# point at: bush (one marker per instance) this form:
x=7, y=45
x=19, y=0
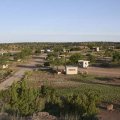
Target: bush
x=22, y=100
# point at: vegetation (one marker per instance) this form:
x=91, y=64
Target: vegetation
x=116, y=57
x=23, y=100
x=4, y=58
x=23, y=54
x=54, y=60
x=4, y=74
x=79, y=102
x=75, y=57
x=105, y=87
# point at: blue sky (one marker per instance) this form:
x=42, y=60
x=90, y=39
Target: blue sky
x=59, y=20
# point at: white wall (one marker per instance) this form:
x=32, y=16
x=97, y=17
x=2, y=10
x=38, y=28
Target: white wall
x=71, y=70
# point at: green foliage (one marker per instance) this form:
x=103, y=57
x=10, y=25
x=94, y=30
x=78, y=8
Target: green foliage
x=75, y=57
x=23, y=54
x=84, y=105
x=46, y=64
x=4, y=73
x=91, y=58
x=54, y=60
x=75, y=49
x=116, y=56
x=58, y=48
x=4, y=58
x=108, y=53
x=22, y=100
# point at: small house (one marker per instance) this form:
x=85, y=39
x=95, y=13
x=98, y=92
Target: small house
x=83, y=63
x=49, y=50
x=71, y=70
x=97, y=49
x=19, y=60
x=5, y=66
x=42, y=51
x=66, y=50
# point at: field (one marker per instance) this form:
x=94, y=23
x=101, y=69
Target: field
x=107, y=88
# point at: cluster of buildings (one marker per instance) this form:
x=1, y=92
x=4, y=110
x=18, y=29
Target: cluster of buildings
x=71, y=70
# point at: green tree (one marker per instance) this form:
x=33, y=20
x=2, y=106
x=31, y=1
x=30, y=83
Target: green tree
x=116, y=56
x=75, y=57
x=25, y=100
x=91, y=58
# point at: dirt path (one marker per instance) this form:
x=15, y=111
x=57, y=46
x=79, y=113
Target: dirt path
x=110, y=72
x=109, y=115
x=22, y=68
x=16, y=77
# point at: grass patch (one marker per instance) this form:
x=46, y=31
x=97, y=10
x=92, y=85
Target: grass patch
x=79, y=84
x=107, y=93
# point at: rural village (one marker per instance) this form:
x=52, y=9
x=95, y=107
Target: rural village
x=68, y=68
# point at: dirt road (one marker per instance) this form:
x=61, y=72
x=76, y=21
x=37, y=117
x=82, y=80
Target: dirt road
x=110, y=72
x=22, y=68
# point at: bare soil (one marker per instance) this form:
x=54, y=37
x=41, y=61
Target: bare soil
x=110, y=72
x=21, y=69
x=109, y=115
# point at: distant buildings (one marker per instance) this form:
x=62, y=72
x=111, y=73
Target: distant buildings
x=48, y=50
x=2, y=52
x=111, y=47
x=42, y=51
x=66, y=50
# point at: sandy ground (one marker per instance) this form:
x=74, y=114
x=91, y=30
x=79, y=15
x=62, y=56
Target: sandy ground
x=109, y=115
x=22, y=68
x=110, y=72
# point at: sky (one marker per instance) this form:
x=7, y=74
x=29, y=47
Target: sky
x=59, y=20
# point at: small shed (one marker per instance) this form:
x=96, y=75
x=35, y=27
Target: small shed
x=97, y=49
x=66, y=50
x=71, y=70
x=83, y=63
x=49, y=50
x=42, y=51
x=5, y=66
x=19, y=60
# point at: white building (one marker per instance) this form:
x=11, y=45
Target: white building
x=70, y=70
x=97, y=49
x=5, y=66
x=42, y=51
x=83, y=63
x=49, y=50
x=19, y=60
x=66, y=50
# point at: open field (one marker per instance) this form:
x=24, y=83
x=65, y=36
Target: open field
x=107, y=87
x=67, y=84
